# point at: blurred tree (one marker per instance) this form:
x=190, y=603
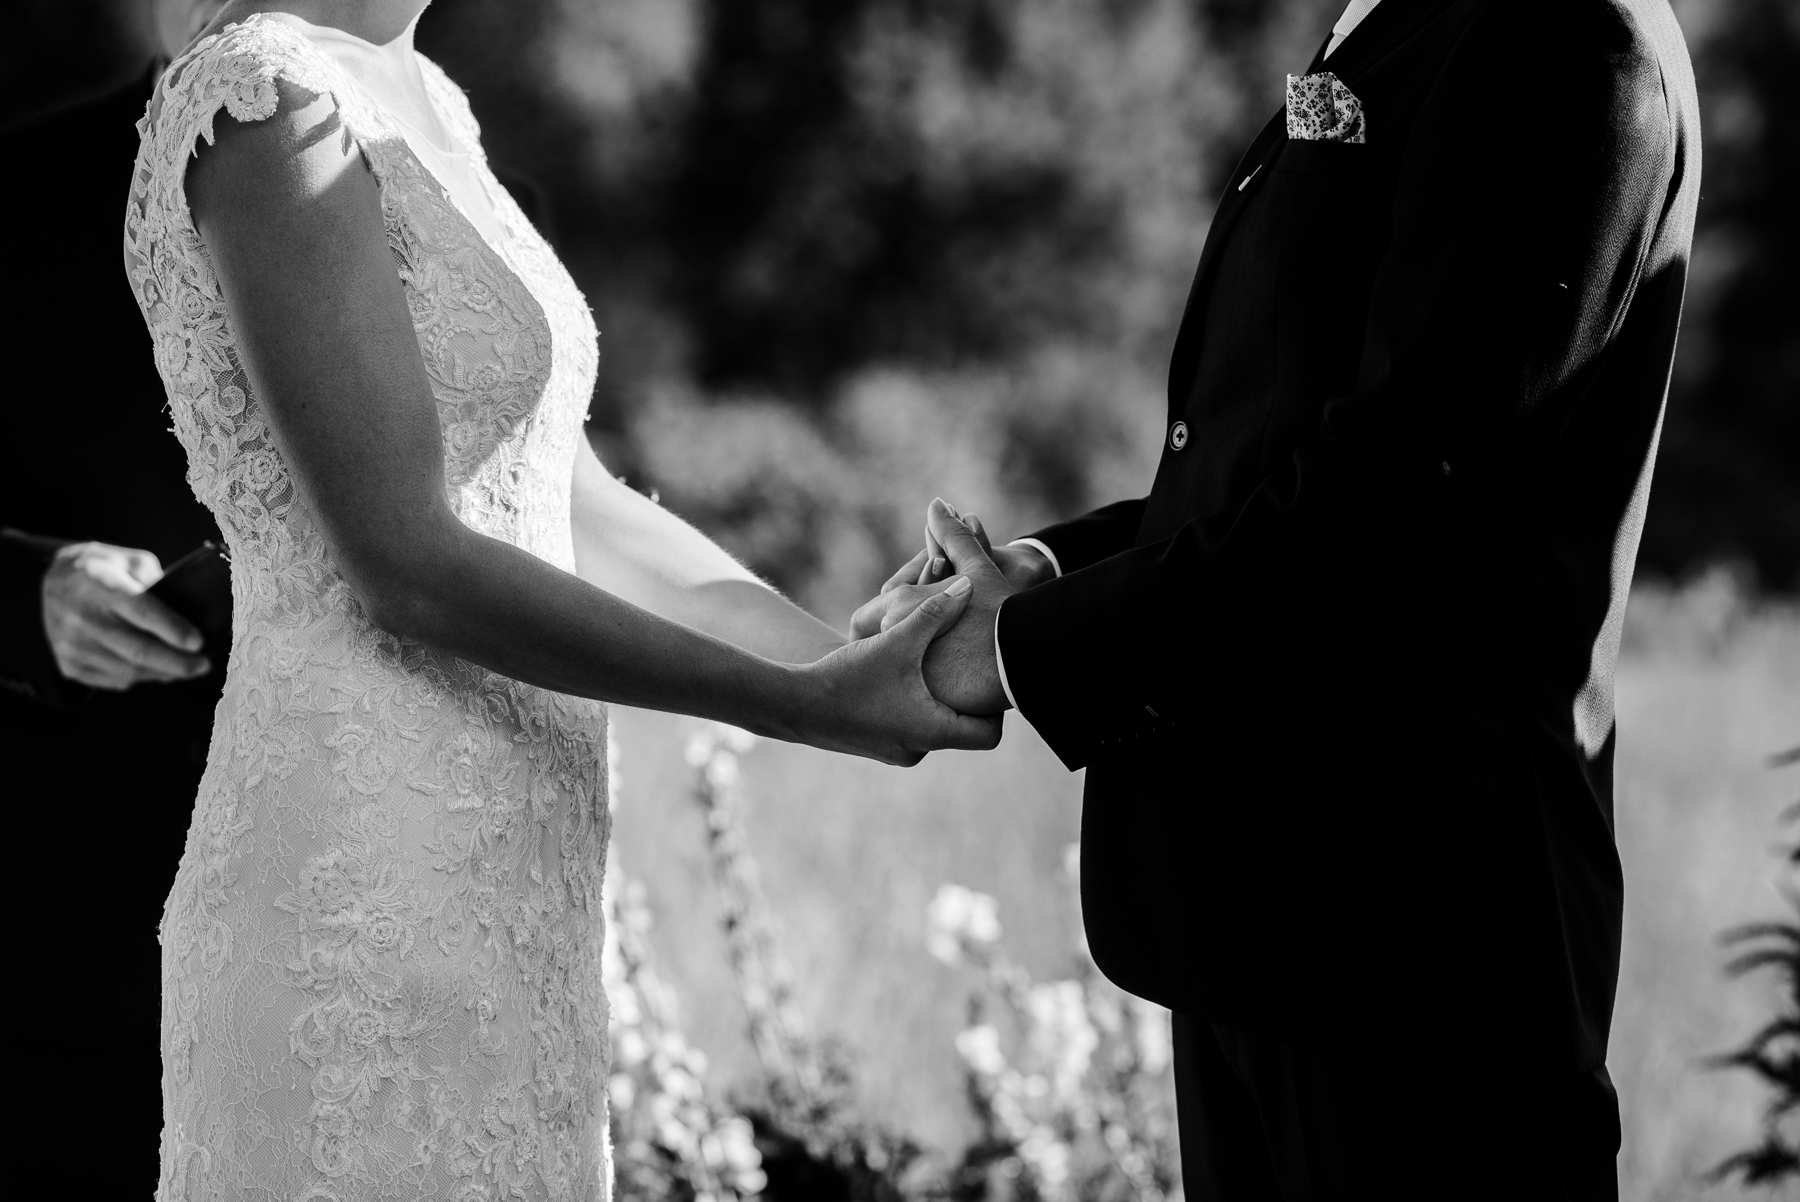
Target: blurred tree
x=57, y=52
x=776, y=198
x=1728, y=476
x=808, y=235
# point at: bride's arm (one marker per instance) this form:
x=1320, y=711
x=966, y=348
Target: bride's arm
x=292, y=221
x=635, y=549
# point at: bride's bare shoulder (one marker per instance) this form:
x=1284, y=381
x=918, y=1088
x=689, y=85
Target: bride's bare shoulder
x=250, y=107
x=296, y=151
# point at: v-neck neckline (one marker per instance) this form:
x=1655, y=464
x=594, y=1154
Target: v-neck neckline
x=498, y=246
x=322, y=36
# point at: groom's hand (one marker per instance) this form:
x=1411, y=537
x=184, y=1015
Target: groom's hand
x=960, y=668
x=1023, y=565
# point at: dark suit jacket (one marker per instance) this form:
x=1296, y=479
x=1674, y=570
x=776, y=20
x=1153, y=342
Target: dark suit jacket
x=101, y=785
x=1343, y=680
x=92, y=456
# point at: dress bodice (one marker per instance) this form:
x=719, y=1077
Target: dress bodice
x=381, y=953
x=506, y=336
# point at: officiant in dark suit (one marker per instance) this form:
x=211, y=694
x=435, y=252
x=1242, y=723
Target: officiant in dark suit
x=106, y=698
x=106, y=695
x=1342, y=682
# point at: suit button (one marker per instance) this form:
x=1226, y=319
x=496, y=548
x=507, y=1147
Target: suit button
x=1178, y=436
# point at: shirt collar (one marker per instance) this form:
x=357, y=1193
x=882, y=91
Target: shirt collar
x=1353, y=16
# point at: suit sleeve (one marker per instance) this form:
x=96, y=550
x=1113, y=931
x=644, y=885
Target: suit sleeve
x=1522, y=218
x=1092, y=537
x=27, y=666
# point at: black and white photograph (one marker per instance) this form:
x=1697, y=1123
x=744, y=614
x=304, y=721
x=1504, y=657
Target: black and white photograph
x=903, y=600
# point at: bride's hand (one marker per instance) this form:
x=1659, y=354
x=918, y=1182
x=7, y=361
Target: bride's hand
x=869, y=698
x=929, y=570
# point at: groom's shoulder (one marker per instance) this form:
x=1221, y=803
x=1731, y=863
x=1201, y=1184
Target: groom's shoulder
x=1618, y=37
x=1618, y=64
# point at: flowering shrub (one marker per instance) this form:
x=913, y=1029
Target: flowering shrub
x=804, y=1110
x=1773, y=1053
x=1067, y=1078
x=1081, y=1109
x=670, y=1139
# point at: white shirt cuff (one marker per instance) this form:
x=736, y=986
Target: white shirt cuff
x=1000, y=660
x=1041, y=549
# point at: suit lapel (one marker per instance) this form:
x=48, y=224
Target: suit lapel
x=1247, y=176
x=1392, y=22
x=1389, y=25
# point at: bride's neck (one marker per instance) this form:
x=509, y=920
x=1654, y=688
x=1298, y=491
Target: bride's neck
x=384, y=23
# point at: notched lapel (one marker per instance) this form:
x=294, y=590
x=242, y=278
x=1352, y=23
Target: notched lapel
x=1392, y=22
x=1383, y=30
x=1243, y=181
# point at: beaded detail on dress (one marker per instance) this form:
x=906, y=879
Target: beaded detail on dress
x=381, y=954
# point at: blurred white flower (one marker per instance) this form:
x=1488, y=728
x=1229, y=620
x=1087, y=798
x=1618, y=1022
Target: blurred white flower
x=957, y=916
x=630, y=1047
x=714, y=739
x=615, y=775
x=737, y=1139
x=722, y=770
x=700, y=747
x=1048, y=1155
x=980, y=1049
x=621, y=1091
x=1062, y=1035
x=736, y=738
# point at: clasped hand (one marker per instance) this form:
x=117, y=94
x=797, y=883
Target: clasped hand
x=960, y=667
x=921, y=673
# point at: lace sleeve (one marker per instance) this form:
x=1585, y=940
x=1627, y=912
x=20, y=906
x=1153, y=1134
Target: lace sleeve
x=214, y=413
x=236, y=70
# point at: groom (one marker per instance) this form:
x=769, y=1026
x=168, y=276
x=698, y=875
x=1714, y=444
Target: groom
x=1343, y=681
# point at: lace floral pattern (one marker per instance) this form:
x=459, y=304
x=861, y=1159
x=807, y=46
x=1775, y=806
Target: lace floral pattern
x=381, y=954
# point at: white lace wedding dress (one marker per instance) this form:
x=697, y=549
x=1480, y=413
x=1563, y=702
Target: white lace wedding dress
x=381, y=955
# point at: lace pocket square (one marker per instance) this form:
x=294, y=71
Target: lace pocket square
x=1321, y=109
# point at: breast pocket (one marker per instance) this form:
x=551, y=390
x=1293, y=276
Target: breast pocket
x=1303, y=157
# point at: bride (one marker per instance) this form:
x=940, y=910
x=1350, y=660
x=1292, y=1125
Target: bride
x=381, y=952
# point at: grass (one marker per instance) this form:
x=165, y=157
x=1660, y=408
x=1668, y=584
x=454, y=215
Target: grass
x=851, y=852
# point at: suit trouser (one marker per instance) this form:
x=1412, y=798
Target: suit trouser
x=1266, y=1121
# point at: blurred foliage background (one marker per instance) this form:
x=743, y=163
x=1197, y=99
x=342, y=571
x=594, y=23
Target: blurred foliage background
x=847, y=254
x=851, y=252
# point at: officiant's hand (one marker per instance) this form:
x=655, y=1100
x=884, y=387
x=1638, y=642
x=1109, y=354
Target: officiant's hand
x=105, y=630
x=961, y=669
